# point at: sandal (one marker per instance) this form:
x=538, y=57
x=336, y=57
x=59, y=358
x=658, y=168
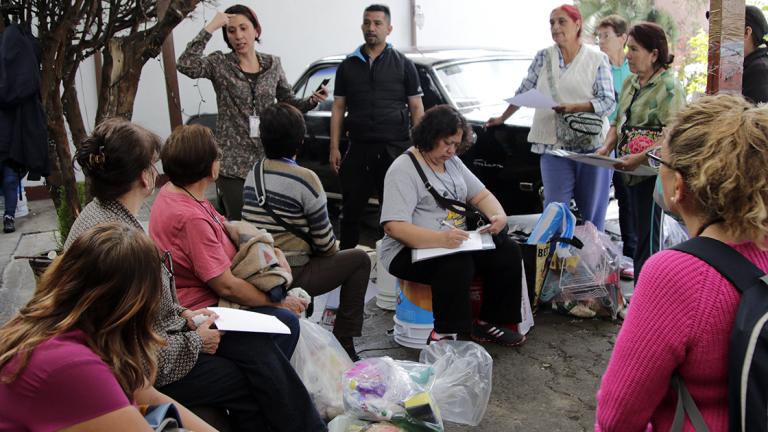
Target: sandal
x=433, y=337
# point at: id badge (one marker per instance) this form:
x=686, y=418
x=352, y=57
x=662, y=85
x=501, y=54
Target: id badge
x=254, y=125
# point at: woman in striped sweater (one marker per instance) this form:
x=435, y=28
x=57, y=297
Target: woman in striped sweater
x=289, y=201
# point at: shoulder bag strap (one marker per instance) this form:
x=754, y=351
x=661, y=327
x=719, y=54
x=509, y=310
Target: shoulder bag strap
x=261, y=198
x=446, y=203
x=551, y=75
x=686, y=405
x=739, y=271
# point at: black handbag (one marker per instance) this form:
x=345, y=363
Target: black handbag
x=473, y=217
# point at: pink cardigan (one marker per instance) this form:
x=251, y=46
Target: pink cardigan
x=680, y=318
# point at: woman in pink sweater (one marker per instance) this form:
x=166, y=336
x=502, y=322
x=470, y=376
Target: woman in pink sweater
x=713, y=175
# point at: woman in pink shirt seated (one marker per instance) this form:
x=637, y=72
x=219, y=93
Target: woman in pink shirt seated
x=82, y=351
x=713, y=174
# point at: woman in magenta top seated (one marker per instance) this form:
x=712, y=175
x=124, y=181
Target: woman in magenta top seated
x=713, y=174
x=81, y=353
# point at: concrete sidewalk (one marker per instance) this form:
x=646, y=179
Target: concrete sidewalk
x=549, y=384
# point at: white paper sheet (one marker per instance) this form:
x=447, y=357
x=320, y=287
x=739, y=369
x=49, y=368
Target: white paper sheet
x=247, y=321
x=532, y=99
x=602, y=161
x=476, y=241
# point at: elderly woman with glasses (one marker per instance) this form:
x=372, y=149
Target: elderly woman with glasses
x=712, y=171
x=245, y=374
x=647, y=102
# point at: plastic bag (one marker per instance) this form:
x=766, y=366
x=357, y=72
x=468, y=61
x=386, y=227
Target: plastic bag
x=382, y=389
x=672, y=232
x=463, y=379
x=345, y=423
x=586, y=282
x=320, y=362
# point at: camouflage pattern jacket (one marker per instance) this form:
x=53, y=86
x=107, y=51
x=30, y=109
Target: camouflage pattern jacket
x=238, y=95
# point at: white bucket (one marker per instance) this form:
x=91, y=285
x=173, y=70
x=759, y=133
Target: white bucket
x=386, y=284
x=412, y=335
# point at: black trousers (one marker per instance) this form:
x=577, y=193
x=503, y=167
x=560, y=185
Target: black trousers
x=230, y=197
x=251, y=378
x=626, y=215
x=647, y=222
x=451, y=276
x=362, y=173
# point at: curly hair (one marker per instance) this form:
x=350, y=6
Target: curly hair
x=439, y=122
x=720, y=146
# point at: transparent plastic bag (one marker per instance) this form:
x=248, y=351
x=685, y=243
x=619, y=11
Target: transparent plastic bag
x=672, y=232
x=463, y=379
x=320, y=362
x=345, y=423
x=382, y=389
x=587, y=279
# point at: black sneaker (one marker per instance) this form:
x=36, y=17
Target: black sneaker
x=487, y=332
x=349, y=346
x=9, y=224
x=433, y=337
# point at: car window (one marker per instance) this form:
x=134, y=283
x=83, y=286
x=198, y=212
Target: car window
x=316, y=77
x=478, y=85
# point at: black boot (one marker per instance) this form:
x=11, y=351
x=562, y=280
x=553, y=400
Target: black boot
x=9, y=224
x=349, y=346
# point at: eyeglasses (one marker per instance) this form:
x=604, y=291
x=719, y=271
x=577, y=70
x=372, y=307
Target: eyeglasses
x=655, y=160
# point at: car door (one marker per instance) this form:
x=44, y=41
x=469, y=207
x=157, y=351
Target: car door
x=314, y=153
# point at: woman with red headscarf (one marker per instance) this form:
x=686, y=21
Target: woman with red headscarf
x=246, y=82
x=578, y=78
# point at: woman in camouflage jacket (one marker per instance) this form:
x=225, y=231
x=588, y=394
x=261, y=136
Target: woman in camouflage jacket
x=246, y=82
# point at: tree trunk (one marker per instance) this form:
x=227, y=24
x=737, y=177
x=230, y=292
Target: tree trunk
x=72, y=108
x=124, y=59
x=58, y=132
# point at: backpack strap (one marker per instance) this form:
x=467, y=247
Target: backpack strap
x=728, y=261
x=261, y=199
x=686, y=405
x=743, y=274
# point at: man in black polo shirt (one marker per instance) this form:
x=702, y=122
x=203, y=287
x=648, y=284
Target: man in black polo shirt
x=380, y=91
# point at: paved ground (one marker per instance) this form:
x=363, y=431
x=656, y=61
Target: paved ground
x=547, y=385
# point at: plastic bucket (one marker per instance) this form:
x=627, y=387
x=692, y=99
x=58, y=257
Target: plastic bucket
x=411, y=335
x=414, y=303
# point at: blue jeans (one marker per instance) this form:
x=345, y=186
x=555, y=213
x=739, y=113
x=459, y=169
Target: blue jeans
x=589, y=185
x=286, y=343
x=11, y=188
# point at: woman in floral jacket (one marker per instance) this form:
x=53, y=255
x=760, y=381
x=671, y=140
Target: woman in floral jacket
x=647, y=103
x=246, y=82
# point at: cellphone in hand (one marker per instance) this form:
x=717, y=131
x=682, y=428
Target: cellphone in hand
x=325, y=82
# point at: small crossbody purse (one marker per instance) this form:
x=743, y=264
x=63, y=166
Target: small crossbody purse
x=637, y=139
x=580, y=130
